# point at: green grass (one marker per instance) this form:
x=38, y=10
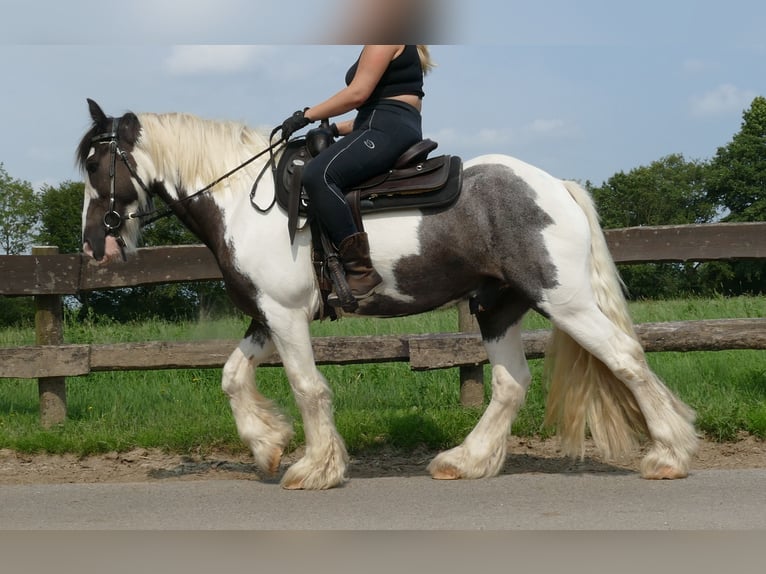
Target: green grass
x=379, y=404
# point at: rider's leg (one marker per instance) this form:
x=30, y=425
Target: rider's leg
x=381, y=134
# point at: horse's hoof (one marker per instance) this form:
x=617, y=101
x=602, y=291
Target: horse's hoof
x=276, y=459
x=292, y=485
x=445, y=472
x=269, y=460
x=664, y=472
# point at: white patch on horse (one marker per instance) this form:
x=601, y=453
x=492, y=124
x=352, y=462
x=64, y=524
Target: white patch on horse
x=392, y=237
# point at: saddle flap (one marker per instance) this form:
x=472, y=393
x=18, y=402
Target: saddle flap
x=426, y=176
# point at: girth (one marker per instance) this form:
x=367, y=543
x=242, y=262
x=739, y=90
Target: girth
x=415, y=181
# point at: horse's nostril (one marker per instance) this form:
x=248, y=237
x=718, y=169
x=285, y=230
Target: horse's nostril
x=88, y=249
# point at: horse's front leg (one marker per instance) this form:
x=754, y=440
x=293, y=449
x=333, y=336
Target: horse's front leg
x=259, y=422
x=325, y=462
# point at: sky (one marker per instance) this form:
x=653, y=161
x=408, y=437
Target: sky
x=583, y=89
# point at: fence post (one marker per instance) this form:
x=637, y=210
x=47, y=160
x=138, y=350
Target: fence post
x=49, y=331
x=471, y=377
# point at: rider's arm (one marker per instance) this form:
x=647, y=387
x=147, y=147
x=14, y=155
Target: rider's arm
x=372, y=64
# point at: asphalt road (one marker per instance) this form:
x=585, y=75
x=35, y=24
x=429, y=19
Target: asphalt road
x=707, y=500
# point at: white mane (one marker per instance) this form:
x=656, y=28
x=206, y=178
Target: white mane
x=191, y=152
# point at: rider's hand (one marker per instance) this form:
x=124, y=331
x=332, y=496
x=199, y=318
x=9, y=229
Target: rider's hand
x=294, y=123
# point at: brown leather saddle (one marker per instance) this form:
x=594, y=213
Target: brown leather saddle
x=415, y=181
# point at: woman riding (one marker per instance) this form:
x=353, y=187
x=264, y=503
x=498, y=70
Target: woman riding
x=385, y=86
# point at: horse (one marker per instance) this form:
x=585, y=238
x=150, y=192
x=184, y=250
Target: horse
x=516, y=240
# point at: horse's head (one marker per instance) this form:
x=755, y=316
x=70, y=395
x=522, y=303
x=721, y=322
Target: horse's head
x=113, y=189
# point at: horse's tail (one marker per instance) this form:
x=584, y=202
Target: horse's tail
x=582, y=390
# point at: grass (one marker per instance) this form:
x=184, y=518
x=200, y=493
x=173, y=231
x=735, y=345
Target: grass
x=379, y=404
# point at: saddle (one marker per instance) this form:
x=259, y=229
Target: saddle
x=415, y=181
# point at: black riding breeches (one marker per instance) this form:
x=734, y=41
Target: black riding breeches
x=382, y=132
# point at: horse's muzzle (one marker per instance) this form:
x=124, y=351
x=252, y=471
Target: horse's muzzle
x=113, y=250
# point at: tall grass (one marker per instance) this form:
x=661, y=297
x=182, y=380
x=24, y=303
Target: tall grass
x=379, y=404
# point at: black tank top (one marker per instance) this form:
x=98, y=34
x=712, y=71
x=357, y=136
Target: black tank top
x=404, y=76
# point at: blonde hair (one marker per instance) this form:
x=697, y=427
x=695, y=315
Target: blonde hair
x=425, y=58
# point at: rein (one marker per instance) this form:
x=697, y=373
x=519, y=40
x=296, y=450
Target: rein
x=114, y=220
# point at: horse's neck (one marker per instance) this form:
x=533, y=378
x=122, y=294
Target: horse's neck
x=226, y=208
x=225, y=214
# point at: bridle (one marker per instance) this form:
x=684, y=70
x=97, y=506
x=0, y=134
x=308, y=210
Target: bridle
x=113, y=220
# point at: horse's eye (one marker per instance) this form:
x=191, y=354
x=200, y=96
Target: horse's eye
x=91, y=167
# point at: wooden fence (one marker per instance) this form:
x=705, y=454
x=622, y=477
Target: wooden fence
x=48, y=276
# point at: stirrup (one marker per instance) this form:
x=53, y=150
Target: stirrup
x=341, y=295
x=334, y=300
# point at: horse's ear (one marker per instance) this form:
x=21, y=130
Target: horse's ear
x=98, y=115
x=130, y=128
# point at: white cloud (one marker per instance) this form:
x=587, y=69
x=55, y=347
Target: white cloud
x=194, y=60
x=724, y=99
x=547, y=127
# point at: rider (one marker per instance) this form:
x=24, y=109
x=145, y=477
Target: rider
x=385, y=86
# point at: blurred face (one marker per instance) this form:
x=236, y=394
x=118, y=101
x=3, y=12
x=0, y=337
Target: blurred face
x=385, y=21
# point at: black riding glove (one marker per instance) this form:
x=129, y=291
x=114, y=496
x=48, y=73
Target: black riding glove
x=294, y=123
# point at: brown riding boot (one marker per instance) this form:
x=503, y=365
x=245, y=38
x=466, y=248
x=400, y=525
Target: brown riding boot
x=354, y=252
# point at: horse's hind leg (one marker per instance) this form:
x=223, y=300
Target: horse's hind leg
x=668, y=420
x=259, y=422
x=483, y=452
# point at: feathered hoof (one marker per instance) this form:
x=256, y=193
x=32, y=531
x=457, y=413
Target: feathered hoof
x=458, y=463
x=662, y=463
x=663, y=473
x=268, y=460
x=312, y=474
x=444, y=472
x=268, y=454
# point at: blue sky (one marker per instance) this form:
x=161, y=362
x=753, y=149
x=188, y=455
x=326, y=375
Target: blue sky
x=583, y=89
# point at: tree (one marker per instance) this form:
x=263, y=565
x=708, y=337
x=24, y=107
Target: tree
x=61, y=216
x=737, y=173
x=19, y=212
x=737, y=183
x=669, y=191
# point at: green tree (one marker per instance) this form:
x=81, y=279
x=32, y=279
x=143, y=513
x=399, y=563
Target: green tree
x=19, y=212
x=61, y=216
x=737, y=173
x=669, y=191
x=737, y=183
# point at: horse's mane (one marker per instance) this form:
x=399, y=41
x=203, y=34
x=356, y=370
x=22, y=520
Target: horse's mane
x=196, y=151
x=188, y=148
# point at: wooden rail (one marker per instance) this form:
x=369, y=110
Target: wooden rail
x=47, y=276
x=422, y=352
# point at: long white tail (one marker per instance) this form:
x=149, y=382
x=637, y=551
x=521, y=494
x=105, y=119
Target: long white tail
x=582, y=391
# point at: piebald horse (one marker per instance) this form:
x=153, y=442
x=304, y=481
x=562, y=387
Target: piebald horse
x=517, y=239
